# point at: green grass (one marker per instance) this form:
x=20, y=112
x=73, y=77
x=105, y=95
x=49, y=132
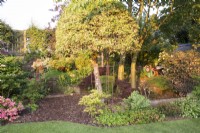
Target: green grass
x=179, y=126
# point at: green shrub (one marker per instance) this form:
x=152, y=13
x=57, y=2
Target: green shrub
x=76, y=77
x=31, y=56
x=62, y=64
x=93, y=102
x=109, y=118
x=169, y=109
x=190, y=107
x=38, y=40
x=12, y=77
x=196, y=90
x=60, y=82
x=147, y=115
x=160, y=82
x=56, y=80
x=136, y=101
x=33, y=93
x=83, y=63
x=51, y=73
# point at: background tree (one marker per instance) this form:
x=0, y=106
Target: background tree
x=183, y=24
x=148, y=14
x=40, y=40
x=7, y=35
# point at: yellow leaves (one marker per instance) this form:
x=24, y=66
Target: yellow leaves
x=100, y=25
x=93, y=102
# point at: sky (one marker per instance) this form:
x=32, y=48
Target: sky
x=21, y=14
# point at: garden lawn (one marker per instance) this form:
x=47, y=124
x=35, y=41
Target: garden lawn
x=179, y=126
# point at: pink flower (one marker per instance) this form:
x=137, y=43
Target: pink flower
x=11, y=104
x=9, y=110
x=2, y=114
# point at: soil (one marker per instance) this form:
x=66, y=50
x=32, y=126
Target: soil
x=59, y=107
x=64, y=108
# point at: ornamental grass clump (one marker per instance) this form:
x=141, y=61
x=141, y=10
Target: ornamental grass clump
x=9, y=110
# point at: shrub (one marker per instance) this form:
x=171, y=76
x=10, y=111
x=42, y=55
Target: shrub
x=31, y=56
x=109, y=118
x=181, y=68
x=76, y=77
x=190, y=107
x=12, y=78
x=136, y=101
x=9, y=109
x=138, y=112
x=62, y=64
x=83, y=63
x=93, y=102
x=160, y=82
x=147, y=115
x=169, y=109
x=196, y=90
x=38, y=40
x=35, y=91
x=59, y=81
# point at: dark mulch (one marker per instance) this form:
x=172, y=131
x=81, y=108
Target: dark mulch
x=64, y=108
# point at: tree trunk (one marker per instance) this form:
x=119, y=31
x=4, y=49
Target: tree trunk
x=121, y=67
x=97, y=77
x=133, y=71
x=102, y=59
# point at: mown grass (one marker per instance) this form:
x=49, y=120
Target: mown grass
x=179, y=126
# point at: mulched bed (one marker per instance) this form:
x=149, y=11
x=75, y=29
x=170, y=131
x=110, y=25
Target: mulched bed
x=62, y=108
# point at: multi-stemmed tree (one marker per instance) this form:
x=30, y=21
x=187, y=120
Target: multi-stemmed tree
x=96, y=26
